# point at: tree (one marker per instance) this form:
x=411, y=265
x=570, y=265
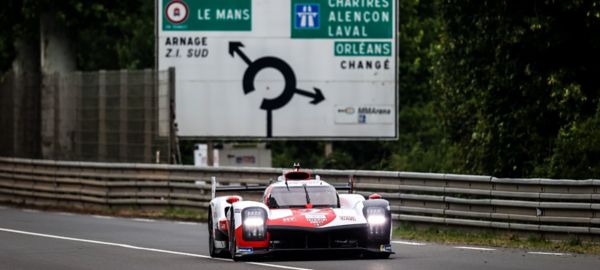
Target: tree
x=421, y=145
x=577, y=151
x=108, y=35
x=512, y=75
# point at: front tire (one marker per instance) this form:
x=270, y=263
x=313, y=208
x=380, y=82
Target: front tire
x=211, y=239
x=232, y=240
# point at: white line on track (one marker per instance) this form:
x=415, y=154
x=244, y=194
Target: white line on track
x=144, y=220
x=278, y=266
x=408, y=243
x=102, y=217
x=30, y=211
x=547, y=253
x=66, y=214
x=477, y=248
x=187, y=223
x=143, y=248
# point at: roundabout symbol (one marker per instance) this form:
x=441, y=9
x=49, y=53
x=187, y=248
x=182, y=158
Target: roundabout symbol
x=254, y=67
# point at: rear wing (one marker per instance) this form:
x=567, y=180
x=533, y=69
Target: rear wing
x=349, y=187
x=214, y=188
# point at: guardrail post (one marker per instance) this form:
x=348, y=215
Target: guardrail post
x=102, y=115
x=172, y=124
x=77, y=112
x=123, y=115
x=148, y=94
x=213, y=186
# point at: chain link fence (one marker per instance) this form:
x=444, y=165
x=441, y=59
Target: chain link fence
x=106, y=116
x=20, y=115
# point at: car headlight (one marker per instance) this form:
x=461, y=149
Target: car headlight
x=376, y=215
x=253, y=224
x=377, y=218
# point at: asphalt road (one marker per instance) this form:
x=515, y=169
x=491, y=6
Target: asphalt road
x=51, y=240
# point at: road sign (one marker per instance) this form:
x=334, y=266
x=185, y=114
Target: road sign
x=299, y=69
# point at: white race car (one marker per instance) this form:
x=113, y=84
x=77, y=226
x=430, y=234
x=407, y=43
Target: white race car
x=298, y=213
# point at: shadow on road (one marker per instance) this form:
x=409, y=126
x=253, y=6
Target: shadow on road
x=311, y=256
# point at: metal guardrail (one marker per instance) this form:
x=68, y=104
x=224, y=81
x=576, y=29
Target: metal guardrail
x=543, y=205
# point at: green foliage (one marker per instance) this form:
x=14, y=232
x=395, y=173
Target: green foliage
x=513, y=77
x=355, y=155
x=421, y=145
x=308, y=154
x=15, y=24
x=577, y=151
x=183, y=214
x=110, y=34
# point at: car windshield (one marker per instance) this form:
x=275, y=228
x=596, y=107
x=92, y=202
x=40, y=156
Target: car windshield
x=320, y=196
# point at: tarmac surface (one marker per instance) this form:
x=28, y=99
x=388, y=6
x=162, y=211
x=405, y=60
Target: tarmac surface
x=31, y=239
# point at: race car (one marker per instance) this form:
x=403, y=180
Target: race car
x=298, y=212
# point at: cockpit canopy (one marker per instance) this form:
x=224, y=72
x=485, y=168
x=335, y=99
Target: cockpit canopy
x=296, y=196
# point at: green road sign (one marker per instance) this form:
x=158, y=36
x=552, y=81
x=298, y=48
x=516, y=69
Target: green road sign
x=360, y=48
x=207, y=15
x=282, y=69
x=342, y=19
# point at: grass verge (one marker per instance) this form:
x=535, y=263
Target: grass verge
x=185, y=214
x=438, y=234
x=168, y=213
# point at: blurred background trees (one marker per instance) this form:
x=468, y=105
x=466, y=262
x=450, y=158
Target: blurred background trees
x=107, y=34
x=518, y=86
x=507, y=88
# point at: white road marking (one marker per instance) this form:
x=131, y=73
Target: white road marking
x=408, y=243
x=144, y=220
x=187, y=223
x=66, y=214
x=143, y=248
x=547, y=253
x=476, y=248
x=30, y=211
x=278, y=266
x=102, y=217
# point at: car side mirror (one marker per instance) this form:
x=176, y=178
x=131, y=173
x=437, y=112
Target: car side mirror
x=271, y=202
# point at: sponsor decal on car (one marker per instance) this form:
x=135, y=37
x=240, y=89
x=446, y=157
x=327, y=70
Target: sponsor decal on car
x=348, y=218
x=316, y=219
x=289, y=219
x=311, y=218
